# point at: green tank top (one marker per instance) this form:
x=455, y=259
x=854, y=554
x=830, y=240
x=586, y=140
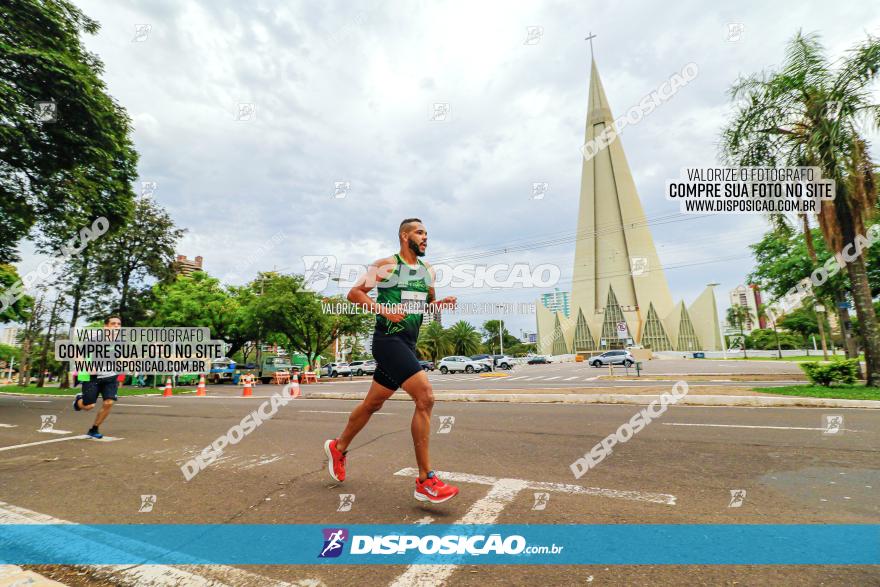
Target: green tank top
x=410, y=287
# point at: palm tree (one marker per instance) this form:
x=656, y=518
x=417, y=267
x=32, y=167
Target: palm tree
x=433, y=342
x=464, y=338
x=737, y=316
x=762, y=313
x=809, y=114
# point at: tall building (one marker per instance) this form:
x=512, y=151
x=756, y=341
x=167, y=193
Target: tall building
x=558, y=301
x=750, y=297
x=619, y=294
x=184, y=266
x=9, y=336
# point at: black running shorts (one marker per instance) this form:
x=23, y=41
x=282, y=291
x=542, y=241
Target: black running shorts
x=396, y=360
x=106, y=387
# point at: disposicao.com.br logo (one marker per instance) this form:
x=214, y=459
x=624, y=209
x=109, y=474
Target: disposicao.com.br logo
x=450, y=544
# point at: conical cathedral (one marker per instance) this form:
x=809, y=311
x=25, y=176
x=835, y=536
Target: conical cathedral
x=619, y=294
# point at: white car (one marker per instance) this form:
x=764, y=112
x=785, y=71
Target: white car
x=462, y=364
x=363, y=367
x=337, y=369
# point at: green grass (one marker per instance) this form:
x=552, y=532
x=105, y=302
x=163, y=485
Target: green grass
x=817, y=357
x=55, y=390
x=837, y=391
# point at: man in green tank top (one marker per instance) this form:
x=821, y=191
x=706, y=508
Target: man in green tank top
x=405, y=292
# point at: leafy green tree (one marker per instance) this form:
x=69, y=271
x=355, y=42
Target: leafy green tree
x=433, y=342
x=768, y=339
x=201, y=300
x=763, y=313
x=803, y=321
x=286, y=307
x=12, y=310
x=809, y=113
x=141, y=250
x=737, y=316
x=464, y=338
x=67, y=155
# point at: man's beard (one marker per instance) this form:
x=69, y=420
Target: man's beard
x=415, y=249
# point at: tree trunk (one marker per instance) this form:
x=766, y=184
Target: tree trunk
x=867, y=319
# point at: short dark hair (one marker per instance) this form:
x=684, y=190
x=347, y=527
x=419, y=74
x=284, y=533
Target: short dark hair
x=111, y=317
x=405, y=222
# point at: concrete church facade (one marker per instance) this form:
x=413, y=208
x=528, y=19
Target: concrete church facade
x=619, y=293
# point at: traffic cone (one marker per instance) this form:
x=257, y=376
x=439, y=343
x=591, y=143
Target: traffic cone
x=247, y=388
x=200, y=390
x=167, y=388
x=294, y=388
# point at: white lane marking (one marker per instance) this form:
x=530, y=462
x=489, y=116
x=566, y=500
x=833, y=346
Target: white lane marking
x=119, y=405
x=515, y=378
x=552, y=378
x=56, y=431
x=747, y=426
x=591, y=378
x=332, y=412
x=37, y=401
x=570, y=378
x=424, y=521
x=8, y=425
x=154, y=575
x=486, y=511
x=79, y=437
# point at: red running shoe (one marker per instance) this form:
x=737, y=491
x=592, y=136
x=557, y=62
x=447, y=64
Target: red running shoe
x=335, y=460
x=434, y=490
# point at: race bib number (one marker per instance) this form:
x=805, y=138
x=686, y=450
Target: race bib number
x=413, y=302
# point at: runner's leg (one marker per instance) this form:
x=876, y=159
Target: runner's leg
x=106, y=405
x=419, y=388
x=361, y=414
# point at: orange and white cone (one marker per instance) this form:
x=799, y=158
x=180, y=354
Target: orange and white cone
x=247, y=391
x=294, y=388
x=167, y=388
x=200, y=390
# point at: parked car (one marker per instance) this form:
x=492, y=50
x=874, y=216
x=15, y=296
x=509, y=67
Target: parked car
x=538, y=360
x=363, y=367
x=504, y=361
x=486, y=360
x=613, y=358
x=427, y=365
x=336, y=369
x=463, y=364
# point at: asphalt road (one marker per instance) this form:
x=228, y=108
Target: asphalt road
x=790, y=470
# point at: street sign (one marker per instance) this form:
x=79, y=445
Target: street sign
x=622, y=332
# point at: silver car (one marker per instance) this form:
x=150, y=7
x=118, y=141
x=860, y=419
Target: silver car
x=613, y=358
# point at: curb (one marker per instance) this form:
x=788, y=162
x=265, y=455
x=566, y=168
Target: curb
x=616, y=398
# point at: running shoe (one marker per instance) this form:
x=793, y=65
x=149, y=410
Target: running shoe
x=335, y=461
x=434, y=490
x=93, y=432
x=76, y=401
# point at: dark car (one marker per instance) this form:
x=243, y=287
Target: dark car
x=538, y=361
x=427, y=365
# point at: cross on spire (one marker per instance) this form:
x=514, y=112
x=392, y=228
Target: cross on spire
x=590, y=39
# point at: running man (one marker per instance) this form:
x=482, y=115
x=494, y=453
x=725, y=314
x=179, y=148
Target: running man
x=106, y=384
x=406, y=291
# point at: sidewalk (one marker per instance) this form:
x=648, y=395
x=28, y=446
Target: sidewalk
x=697, y=396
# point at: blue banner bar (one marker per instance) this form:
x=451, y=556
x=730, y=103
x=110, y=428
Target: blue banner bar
x=355, y=544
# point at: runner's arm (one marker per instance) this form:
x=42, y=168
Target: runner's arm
x=447, y=303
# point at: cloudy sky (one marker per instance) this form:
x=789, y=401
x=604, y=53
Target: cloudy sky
x=344, y=92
